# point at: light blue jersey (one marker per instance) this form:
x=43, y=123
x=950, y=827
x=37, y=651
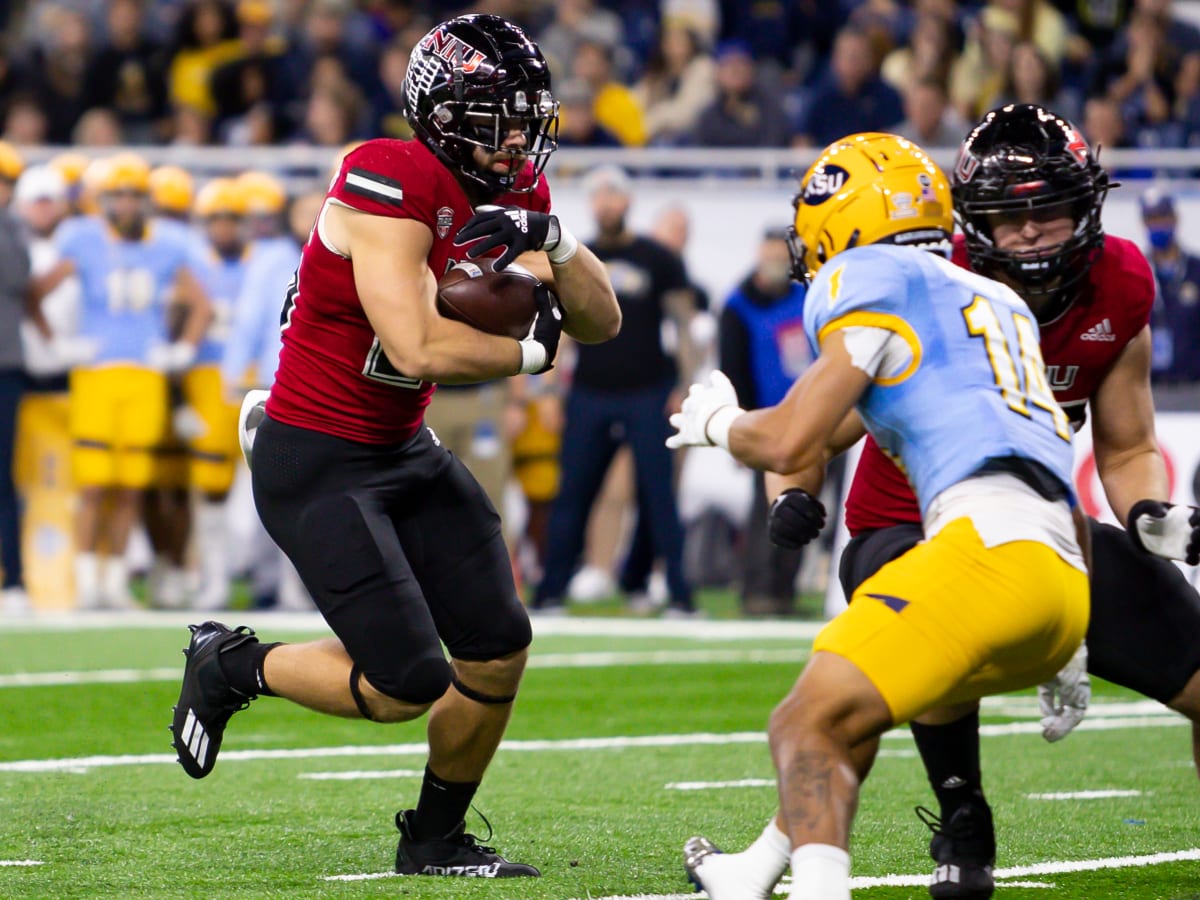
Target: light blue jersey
x=125, y=285
x=221, y=279
x=255, y=336
x=971, y=386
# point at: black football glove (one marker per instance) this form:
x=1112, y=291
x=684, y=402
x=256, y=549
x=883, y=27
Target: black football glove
x=1166, y=530
x=513, y=227
x=539, y=349
x=795, y=519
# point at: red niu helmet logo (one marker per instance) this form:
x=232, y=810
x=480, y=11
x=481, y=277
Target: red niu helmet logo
x=453, y=50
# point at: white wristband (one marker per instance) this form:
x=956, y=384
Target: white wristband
x=719, y=423
x=565, y=249
x=533, y=357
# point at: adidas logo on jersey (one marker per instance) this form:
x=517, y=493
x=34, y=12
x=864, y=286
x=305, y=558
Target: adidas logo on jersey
x=1101, y=331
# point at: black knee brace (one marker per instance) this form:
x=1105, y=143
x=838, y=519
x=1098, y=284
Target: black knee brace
x=479, y=697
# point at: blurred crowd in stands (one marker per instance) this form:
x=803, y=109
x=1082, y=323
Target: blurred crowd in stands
x=713, y=73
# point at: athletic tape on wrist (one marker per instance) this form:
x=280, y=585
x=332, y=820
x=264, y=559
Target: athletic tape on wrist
x=719, y=423
x=565, y=249
x=533, y=357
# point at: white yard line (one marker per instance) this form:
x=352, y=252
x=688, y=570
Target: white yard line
x=569, y=626
x=719, y=785
x=1084, y=795
x=594, y=660
x=920, y=880
x=82, y=763
x=361, y=775
x=21, y=862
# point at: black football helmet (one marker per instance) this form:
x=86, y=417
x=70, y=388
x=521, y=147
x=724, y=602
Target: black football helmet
x=1024, y=157
x=472, y=80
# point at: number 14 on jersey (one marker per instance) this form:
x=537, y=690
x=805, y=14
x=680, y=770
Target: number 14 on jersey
x=1023, y=387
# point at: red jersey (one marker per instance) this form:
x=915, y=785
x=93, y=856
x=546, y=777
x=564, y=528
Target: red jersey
x=333, y=375
x=1079, y=347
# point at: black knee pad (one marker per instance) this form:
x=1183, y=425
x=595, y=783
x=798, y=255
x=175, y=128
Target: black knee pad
x=508, y=632
x=418, y=681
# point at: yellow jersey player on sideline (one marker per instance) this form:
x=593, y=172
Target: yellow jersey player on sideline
x=118, y=415
x=944, y=368
x=219, y=260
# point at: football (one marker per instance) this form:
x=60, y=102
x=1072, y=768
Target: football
x=499, y=303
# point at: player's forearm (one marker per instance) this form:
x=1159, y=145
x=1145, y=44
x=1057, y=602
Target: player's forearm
x=590, y=311
x=200, y=316
x=760, y=439
x=1133, y=476
x=452, y=353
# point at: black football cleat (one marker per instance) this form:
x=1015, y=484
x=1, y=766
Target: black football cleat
x=457, y=854
x=964, y=847
x=206, y=700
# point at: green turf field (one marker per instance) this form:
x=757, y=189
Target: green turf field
x=612, y=714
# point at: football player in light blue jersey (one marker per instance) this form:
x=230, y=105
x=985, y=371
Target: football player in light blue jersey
x=251, y=357
x=127, y=268
x=221, y=256
x=945, y=370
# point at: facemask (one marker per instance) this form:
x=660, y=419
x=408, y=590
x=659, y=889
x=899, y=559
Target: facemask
x=1161, y=238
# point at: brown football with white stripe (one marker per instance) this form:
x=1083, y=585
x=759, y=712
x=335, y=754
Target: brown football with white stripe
x=499, y=303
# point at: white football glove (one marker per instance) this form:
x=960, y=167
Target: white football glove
x=1064, y=699
x=172, y=358
x=73, y=350
x=187, y=423
x=706, y=414
x=1166, y=529
x=251, y=415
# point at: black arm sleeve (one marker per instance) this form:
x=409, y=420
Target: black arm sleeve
x=734, y=352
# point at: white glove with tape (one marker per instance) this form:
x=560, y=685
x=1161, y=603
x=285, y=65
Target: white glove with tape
x=706, y=415
x=1166, y=530
x=1064, y=699
x=251, y=415
x=188, y=424
x=171, y=358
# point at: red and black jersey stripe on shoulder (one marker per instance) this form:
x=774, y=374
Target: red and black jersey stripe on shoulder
x=377, y=187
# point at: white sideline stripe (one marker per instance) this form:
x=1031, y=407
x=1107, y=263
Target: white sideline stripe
x=361, y=774
x=21, y=862
x=78, y=763
x=587, y=660
x=922, y=880
x=1084, y=795
x=563, y=626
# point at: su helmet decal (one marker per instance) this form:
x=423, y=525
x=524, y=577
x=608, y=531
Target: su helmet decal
x=868, y=188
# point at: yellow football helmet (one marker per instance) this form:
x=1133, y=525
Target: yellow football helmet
x=70, y=166
x=124, y=172
x=868, y=188
x=171, y=189
x=11, y=163
x=221, y=196
x=263, y=194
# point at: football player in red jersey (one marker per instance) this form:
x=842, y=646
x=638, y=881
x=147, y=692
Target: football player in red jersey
x=392, y=536
x=1028, y=193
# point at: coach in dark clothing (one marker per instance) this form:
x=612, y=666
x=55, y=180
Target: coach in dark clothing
x=14, y=281
x=619, y=394
x=763, y=350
